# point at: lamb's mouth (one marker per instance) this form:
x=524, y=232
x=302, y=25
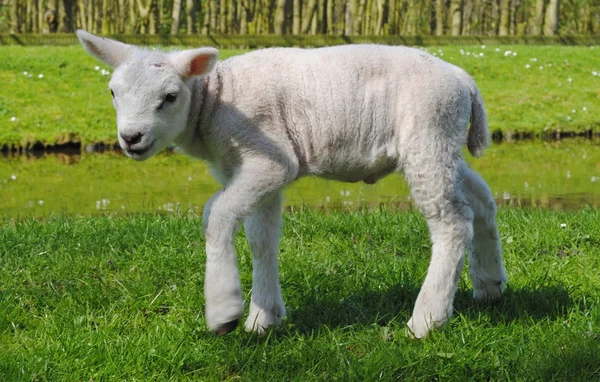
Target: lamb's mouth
x=138, y=153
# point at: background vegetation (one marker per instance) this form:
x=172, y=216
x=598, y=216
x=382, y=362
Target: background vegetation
x=337, y=17
x=57, y=95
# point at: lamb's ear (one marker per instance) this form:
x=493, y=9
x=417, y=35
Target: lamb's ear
x=194, y=62
x=110, y=51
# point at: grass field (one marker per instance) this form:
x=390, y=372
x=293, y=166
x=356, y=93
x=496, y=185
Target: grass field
x=120, y=298
x=59, y=94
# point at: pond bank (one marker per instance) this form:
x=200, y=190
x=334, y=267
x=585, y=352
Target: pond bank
x=77, y=148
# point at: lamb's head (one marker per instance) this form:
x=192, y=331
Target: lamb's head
x=150, y=91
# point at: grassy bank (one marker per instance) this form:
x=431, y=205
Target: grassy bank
x=118, y=297
x=55, y=95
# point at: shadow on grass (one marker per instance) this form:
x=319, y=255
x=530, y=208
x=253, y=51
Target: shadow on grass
x=396, y=304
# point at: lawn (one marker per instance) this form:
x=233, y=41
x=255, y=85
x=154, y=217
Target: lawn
x=119, y=297
x=59, y=94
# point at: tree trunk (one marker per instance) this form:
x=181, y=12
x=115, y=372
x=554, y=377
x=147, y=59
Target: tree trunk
x=14, y=17
x=105, y=18
x=145, y=16
x=40, y=16
x=359, y=20
x=244, y=17
x=536, y=21
x=455, y=17
x=130, y=27
x=223, y=4
x=296, y=17
x=175, y=16
x=514, y=17
x=349, y=17
x=121, y=14
x=279, y=22
x=311, y=9
x=466, y=17
x=440, y=7
x=330, y=10
x=504, y=17
x=412, y=17
x=551, y=20
x=190, y=13
x=214, y=16
x=90, y=16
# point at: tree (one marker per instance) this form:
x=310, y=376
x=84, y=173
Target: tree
x=455, y=17
x=551, y=20
x=175, y=17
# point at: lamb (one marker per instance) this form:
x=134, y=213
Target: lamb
x=351, y=113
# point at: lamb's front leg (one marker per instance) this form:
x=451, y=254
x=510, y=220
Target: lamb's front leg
x=222, y=288
x=251, y=185
x=263, y=230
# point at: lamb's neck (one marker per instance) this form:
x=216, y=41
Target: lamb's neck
x=206, y=98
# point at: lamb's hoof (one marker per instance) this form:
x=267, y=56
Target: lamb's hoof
x=226, y=327
x=489, y=291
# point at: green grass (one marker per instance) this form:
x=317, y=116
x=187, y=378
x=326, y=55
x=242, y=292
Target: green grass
x=120, y=298
x=71, y=102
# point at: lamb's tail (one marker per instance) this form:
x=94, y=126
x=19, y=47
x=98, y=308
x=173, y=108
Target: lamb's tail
x=479, y=134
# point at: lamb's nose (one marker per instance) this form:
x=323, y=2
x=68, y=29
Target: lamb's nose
x=132, y=139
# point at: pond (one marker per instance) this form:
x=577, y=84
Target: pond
x=559, y=174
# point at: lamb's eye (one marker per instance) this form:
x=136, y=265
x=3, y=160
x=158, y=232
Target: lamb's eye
x=112, y=93
x=171, y=97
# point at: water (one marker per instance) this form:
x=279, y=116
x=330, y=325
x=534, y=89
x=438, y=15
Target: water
x=561, y=175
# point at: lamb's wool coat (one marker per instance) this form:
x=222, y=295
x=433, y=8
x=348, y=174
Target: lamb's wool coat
x=350, y=113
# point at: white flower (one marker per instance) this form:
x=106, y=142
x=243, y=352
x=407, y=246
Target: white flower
x=41, y=202
x=514, y=54
x=549, y=65
x=595, y=73
x=568, y=174
x=13, y=177
x=507, y=53
x=569, y=118
x=594, y=179
x=190, y=178
x=541, y=67
x=13, y=119
x=97, y=68
x=25, y=73
x=573, y=111
x=483, y=47
x=570, y=79
x=527, y=66
x=481, y=54
x=468, y=53
x=505, y=195
x=497, y=49
x=533, y=59
x=563, y=225
x=584, y=108
x=40, y=75
x=462, y=52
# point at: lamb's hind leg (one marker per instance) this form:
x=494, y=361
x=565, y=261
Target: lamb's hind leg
x=450, y=220
x=487, y=271
x=263, y=230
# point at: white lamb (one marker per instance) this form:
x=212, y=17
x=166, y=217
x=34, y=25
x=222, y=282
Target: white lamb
x=352, y=113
